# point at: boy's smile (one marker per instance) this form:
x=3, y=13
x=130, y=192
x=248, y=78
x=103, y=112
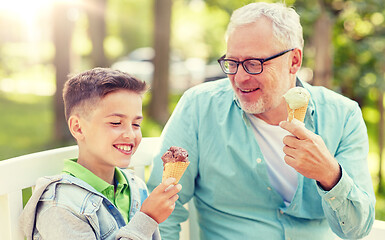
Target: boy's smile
x=110, y=133
x=125, y=149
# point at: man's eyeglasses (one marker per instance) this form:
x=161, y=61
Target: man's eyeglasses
x=251, y=66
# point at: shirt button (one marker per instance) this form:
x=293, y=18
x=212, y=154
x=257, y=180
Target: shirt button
x=269, y=188
x=259, y=160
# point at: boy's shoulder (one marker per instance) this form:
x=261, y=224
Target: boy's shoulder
x=67, y=190
x=61, y=190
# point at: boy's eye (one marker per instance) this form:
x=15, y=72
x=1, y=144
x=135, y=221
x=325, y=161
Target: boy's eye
x=136, y=124
x=115, y=123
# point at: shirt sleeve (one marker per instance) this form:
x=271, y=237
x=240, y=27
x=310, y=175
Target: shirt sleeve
x=349, y=206
x=180, y=131
x=140, y=227
x=61, y=224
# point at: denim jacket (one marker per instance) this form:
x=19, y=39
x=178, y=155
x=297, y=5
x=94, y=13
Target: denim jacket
x=65, y=207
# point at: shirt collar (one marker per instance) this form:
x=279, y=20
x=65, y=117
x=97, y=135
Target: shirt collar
x=119, y=177
x=71, y=167
x=309, y=117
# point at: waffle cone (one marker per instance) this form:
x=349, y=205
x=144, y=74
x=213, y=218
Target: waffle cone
x=298, y=113
x=175, y=170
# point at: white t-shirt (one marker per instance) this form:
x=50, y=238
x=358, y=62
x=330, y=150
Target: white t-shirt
x=282, y=177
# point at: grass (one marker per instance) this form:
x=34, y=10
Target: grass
x=26, y=126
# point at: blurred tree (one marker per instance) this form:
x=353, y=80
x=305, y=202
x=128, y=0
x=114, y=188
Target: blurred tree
x=358, y=56
x=62, y=34
x=96, y=11
x=192, y=36
x=129, y=26
x=158, y=108
x=229, y=5
x=380, y=139
x=322, y=38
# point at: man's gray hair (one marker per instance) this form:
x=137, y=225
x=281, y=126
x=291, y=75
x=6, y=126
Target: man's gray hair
x=286, y=23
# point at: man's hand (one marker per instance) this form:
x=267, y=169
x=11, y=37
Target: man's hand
x=161, y=202
x=307, y=153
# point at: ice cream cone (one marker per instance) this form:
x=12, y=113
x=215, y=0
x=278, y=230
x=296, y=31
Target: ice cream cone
x=298, y=113
x=175, y=170
x=297, y=99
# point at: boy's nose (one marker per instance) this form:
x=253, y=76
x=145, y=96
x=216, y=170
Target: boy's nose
x=129, y=133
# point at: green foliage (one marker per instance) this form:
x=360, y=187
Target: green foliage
x=81, y=43
x=129, y=22
x=27, y=125
x=359, y=48
x=191, y=34
x=380, y=205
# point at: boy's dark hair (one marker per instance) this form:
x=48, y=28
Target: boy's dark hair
x=94, y=84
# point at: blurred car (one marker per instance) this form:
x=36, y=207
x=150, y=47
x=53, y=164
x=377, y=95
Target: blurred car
x=213, y=72
x=183, y=73
x=140, y=64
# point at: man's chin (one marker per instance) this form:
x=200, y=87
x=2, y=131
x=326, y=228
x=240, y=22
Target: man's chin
x=252, y=108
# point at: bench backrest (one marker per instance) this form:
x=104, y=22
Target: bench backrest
x=22, y=172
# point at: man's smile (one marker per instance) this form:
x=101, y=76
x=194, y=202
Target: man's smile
x=248, y=90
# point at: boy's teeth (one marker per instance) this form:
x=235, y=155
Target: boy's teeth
x=124, y=147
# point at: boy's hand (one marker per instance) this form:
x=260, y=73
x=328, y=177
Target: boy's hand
x=161, y=202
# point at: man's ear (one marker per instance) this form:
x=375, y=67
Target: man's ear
x=296, y=61
x=75, y=127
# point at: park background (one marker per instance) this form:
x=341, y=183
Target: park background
x=173, y=45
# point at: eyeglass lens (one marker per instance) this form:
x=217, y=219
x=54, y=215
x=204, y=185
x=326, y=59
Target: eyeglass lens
x=250, y=66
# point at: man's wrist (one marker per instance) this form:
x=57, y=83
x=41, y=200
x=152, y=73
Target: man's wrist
x=332, y=180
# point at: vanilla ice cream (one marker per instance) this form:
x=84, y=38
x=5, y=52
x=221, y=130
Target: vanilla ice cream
x=297, y=97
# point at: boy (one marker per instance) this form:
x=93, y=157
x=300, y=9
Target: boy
x=93, y=198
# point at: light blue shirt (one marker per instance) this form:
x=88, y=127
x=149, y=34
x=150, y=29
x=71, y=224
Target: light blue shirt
x=283, y=177
x=231, y=188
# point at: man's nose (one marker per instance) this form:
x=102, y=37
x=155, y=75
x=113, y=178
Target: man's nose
x=241, y=74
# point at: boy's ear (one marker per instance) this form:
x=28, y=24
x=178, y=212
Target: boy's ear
x=75, y=127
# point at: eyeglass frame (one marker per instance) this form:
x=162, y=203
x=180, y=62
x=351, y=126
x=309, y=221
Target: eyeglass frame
x=261, y=60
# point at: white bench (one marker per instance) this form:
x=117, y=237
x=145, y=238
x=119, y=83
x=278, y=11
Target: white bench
x=22, y=172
